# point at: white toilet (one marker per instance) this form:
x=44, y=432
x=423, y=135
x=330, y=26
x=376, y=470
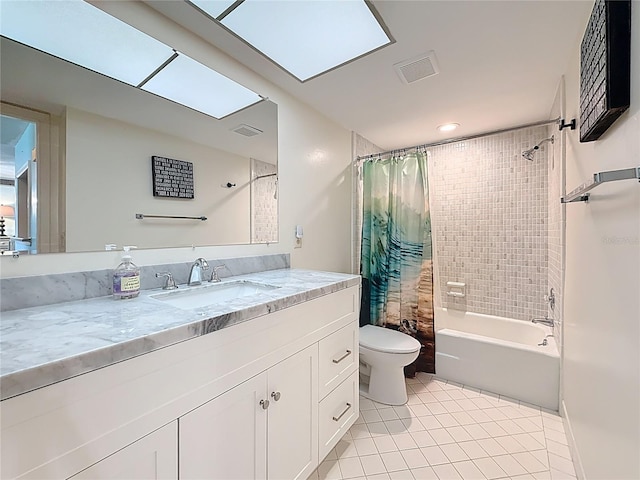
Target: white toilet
x=383, y=355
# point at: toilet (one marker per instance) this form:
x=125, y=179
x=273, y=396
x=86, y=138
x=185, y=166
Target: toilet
x=383, y=355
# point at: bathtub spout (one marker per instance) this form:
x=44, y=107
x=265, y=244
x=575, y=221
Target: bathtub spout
x=549, y=322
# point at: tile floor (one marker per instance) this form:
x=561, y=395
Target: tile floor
x=448, y=431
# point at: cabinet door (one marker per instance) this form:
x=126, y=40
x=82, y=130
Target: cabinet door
x=293, y=417
x=225, y=439
x=152, y=457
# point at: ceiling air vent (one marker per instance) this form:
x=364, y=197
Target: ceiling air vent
x=417, y=68
x=246, y=130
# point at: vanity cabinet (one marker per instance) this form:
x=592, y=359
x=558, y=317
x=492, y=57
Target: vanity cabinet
x=153, y=457
x=197, y=409
x=263, y=428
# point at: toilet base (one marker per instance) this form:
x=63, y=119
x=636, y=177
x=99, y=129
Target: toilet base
x=393, y=391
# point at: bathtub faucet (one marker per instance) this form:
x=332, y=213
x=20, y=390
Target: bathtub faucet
x=549, y=322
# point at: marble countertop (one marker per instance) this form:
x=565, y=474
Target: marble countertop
x=40, y=346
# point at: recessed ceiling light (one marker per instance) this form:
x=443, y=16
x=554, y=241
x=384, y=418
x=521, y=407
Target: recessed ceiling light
x=448, y=127
x=189, y=83
x=308, y=38
x=80, y=33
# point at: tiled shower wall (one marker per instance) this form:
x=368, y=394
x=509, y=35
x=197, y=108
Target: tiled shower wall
x=264, y=203
x=556, y=237
x=489, y=212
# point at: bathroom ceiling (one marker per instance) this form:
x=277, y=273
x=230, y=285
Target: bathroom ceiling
x=499, y=66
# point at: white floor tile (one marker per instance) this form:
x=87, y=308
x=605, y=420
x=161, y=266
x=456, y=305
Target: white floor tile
x=556, y=436
x=491, y=446
x=454, y=453
x=471, y=392
x=512, y=412
x=371, y=416
x=359, y=431
x=542, y=456
x=404, y=441
x=377, y=429
x=419, y=410
x=393, y=461
x=385, y=444
x=529, y=462
x=528, y=441
x=395, y=426
x=476, y=431
x=365, y=446
x=446, y=420
x=452, y=406
x=366, y=404
x=489, y=468
x=527, y=425
x=510, y=444
x=414, y=458
x=345, y=449
x=423, y=439
x=379, y=476
x=412, y=424
x=441, y=396
x=424, y=473
x=372, y=465
x=329, y=470
x=561, y=464
x=542, y=475
x=559, y=449
x=436, y=408
x=553, y=423
x=441, y=436
x=559, y=475
x=494, y=429
x=478, y=415
x=482, y=402
x=463, y=418
x=350, y=467
x=456, y=394
x=495, y=414
x=539, y=436
x=473, y=449
x=434, y=455
x=402, y=411
x=427, y=397
x=510, y=465
x=510, y=426
x=388, y=414
x=430, y=422
x=469, y=471
x=446, y=472
x=526, y=476
x=402, y=475
x=459, y=434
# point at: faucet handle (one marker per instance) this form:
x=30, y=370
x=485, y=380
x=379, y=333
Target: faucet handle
x=170, y=283
x=214, y=274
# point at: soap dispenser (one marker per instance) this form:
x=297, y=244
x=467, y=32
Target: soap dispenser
x=126, y=277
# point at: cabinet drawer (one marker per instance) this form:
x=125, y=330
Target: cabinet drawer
x=338, y=356
x=337, y=412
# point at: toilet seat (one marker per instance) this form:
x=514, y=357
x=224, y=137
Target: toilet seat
x=386, y=340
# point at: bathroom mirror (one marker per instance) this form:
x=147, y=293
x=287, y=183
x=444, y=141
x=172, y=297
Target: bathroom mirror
x=93, y=169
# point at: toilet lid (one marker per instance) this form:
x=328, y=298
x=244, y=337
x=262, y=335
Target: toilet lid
x=386, y=340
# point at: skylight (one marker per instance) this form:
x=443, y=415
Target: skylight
x=196, y=86
x=80, y=33
x=85, y=35
x=307, y=38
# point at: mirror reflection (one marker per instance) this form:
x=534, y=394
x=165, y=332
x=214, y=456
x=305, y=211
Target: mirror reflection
x=76, y=163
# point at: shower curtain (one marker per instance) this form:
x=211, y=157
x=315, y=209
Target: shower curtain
x=396, y=258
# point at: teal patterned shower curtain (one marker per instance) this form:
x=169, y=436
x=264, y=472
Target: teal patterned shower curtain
x=396, y=259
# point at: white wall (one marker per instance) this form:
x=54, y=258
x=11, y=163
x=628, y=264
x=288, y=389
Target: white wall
x=602, y=290
x=109, y=179
x=314, y=174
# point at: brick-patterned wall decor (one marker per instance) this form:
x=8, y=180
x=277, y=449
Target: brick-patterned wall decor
x=489, y=211
x=264, y=204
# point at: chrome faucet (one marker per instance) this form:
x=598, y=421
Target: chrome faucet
x=214, y=273
x=170, y=283
x=195, y=277
x=549, y=322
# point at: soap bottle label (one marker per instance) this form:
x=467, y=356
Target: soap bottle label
x=130, y=284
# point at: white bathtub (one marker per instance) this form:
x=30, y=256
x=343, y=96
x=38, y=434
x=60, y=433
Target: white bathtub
x=499, y=355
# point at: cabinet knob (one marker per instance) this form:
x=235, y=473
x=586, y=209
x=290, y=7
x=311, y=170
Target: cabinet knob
x=264, y=404
x=275, y=396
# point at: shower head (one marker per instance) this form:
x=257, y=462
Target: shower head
x=529, y=154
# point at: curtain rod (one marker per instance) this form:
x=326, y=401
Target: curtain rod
x=458, y=139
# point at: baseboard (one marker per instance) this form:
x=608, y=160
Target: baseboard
x=575, y=455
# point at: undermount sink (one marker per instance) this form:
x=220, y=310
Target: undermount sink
x=211, y=294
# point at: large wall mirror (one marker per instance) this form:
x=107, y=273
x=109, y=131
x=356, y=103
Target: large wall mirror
x=76, y=163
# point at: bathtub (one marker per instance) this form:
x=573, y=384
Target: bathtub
x=498, y=355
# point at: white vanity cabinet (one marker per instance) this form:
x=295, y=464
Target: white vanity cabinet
x=263, y=428
x=153, y=457
x=193, y=410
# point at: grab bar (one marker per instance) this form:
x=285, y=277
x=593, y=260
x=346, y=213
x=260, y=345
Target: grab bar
x=141, y=216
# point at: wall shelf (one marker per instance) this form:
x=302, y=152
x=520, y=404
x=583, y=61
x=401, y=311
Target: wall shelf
x=580, y=194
